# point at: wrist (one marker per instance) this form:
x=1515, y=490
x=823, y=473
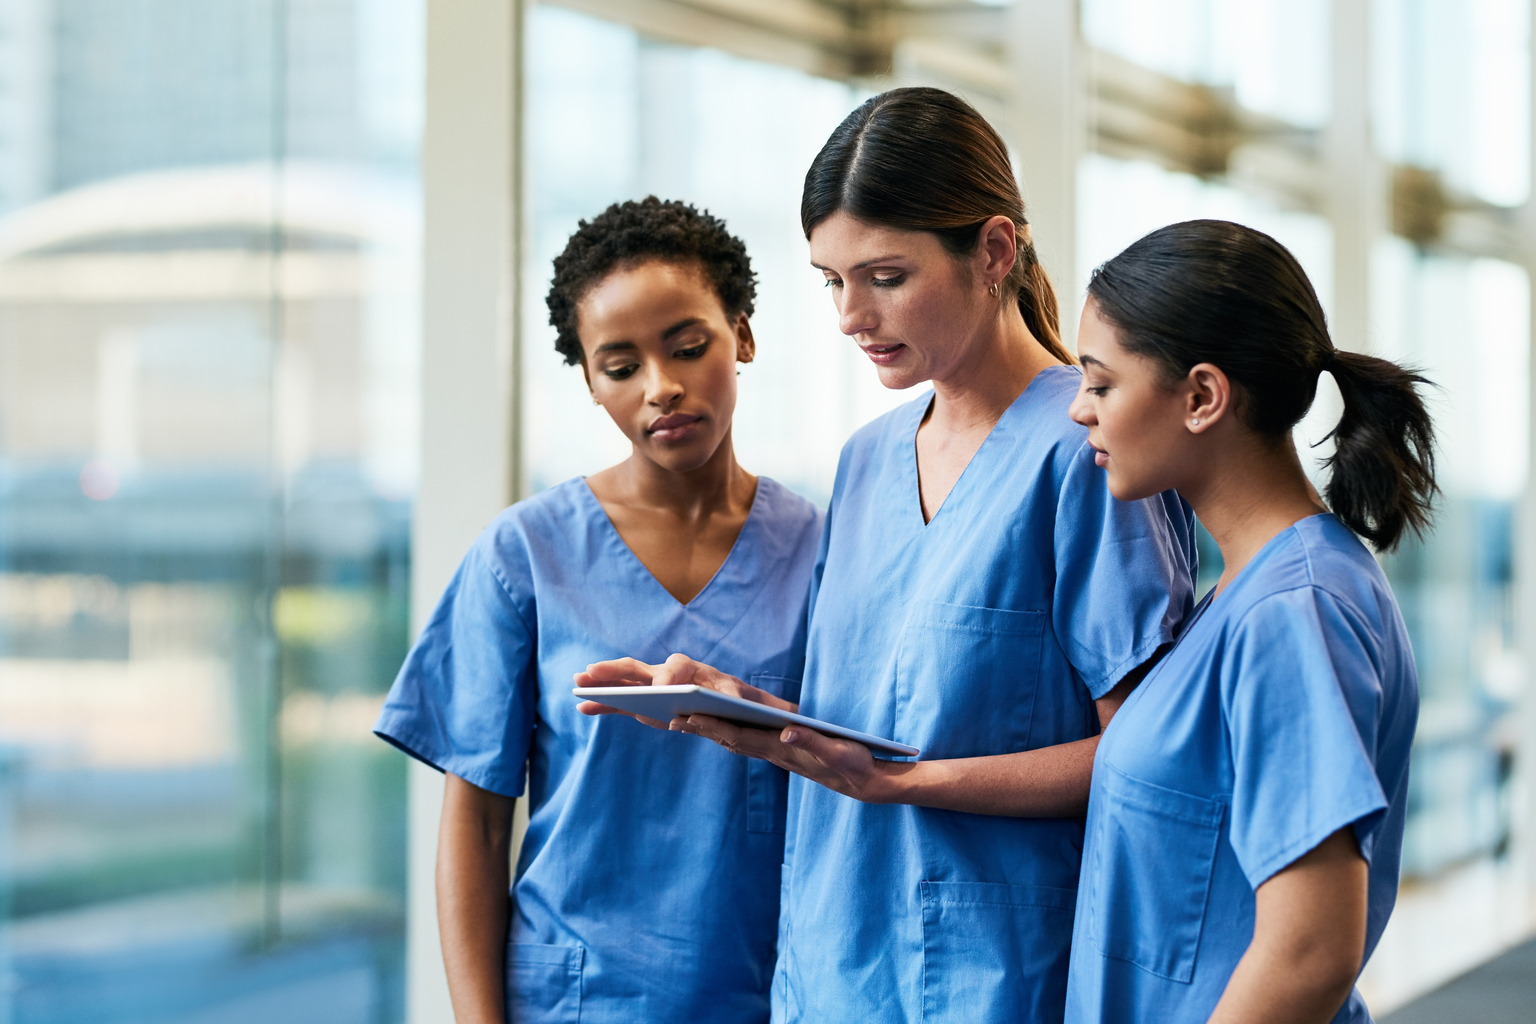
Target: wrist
x=891, y=782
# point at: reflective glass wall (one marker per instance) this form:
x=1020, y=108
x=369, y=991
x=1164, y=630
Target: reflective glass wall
x=208, y=299
x=1451, y=104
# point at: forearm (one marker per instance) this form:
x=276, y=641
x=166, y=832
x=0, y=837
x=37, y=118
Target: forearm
x=1051, y=782
x=1308, y=940
x=1283, y=986
x=473, y=877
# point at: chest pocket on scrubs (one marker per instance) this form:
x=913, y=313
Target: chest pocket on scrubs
x=544, y=983
x=767, y=783
x=1154, y=850
x=966, y=678
x=994, y=952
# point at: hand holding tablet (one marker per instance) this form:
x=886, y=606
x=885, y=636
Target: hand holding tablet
x=663, y=703
x=658, y=694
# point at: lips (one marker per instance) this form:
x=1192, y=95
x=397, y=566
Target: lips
x=674, y=426
x=1100, y=456
x=883, y=354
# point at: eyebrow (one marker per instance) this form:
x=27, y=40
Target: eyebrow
x=1085, y=360
x=618, y=346
x=866, y=263
x=681, y=325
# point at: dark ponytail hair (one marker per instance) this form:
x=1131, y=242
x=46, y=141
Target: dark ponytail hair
x=1209, y=291
x=922, y=159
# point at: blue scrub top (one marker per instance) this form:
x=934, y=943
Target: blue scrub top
x=647, y=884
x=1284, y=714
x=989, y=630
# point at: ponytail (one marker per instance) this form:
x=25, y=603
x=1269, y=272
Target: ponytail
x=1210, y=291
x=1037, y=302
x=1382, y=471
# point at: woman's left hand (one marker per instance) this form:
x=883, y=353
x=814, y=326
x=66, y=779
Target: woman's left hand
x=843, y=766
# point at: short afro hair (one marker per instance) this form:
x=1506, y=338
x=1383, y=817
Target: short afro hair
x=629, y=233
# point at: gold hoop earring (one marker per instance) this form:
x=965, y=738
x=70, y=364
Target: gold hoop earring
x=996, y=289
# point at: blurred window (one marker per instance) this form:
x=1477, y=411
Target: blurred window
x=209, y=224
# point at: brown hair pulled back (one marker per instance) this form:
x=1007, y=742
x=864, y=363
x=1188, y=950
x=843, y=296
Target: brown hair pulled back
x=922, y=159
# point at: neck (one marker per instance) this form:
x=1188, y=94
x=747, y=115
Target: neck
x=1247, y=492
x=718, y=484
x=996, y=368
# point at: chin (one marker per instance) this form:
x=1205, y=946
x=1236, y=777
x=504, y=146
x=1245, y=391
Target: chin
x=685, y=458
x=1131, y=490
x=898, y=378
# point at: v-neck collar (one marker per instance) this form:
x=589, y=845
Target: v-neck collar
x=636, y=564
x=920, y=409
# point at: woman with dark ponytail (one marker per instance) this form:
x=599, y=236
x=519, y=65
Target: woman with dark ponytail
x=1246, y=817
x=979, y=594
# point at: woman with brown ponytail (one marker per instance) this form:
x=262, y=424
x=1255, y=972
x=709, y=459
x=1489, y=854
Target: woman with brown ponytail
x=1247, y=811
x=979, y=594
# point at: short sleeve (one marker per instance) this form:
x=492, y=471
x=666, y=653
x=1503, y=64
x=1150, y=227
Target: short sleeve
x=1302, y=698
x=1123, y=579
x=464, y=701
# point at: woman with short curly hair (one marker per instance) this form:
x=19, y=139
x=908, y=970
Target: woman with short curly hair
x=646, y=888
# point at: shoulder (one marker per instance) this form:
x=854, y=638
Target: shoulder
x=1317, y=560
x=783, y=509
x=1047, y=401
x=1318, y=584
x=886, y=429
x=554, y=520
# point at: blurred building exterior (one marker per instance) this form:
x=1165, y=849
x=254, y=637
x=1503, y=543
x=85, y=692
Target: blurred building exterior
x=232, y=474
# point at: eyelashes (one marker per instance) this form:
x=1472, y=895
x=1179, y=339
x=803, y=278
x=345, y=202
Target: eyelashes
x=874, y=282
x=628, y=370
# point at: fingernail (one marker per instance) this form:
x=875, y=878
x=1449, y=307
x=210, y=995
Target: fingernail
x=790, y=736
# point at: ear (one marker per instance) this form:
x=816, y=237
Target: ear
x=998, y=250
x=746, y=345
x=1208, y=397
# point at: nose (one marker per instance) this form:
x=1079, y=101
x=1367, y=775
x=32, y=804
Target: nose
x=1081, y=410
x=661, y=390
x=856, y=314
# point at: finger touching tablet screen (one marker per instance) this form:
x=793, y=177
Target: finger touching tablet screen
x=667, y=702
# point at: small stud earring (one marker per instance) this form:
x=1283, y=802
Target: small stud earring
x=1194, y=423
x=596, y=402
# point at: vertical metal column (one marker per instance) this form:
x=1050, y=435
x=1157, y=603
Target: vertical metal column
x=1046, y=56
x=1356, y=200
x=471, y=191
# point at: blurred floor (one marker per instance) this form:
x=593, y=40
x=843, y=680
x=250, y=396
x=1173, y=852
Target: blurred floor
x=1502, y=991
x=1445, y=927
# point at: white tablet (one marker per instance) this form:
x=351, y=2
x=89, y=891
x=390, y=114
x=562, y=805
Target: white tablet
x=667, y=702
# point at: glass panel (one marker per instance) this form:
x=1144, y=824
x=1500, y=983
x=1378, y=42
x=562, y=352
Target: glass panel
x=1453, y=91
x=209, y=224
x=614, y=116
x=1456, y=588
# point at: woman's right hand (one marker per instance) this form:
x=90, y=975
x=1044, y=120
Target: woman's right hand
x=678, y=670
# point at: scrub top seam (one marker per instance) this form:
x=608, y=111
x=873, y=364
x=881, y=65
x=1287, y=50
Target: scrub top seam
x=1311, y=585
x=506, y=587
